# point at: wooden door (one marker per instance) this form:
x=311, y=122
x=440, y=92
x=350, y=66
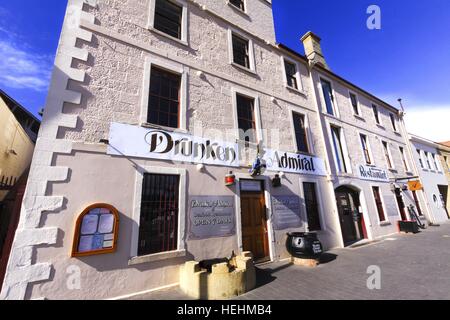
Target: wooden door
x=345, y=208
x=254, y=225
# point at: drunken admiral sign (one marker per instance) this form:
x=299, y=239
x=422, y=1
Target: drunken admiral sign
x=372, y=173
x=141, y=142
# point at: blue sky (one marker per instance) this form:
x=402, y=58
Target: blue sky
x=409, y=57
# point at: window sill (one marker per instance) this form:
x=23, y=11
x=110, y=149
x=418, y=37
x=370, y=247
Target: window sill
x=409, y=173
x=298, y=91
x=245, y=69
x=156, y=257
x=384, y=224
x=357, y=116
x=170, y=129
x=381, y=126
x=332, y=116
x=397, y=133
x=180, y=41
x=393, y=170
x=238, y=10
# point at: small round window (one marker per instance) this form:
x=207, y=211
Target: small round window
x=96, y=230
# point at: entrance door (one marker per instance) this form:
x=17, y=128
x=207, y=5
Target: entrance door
x=352, y=222
x=401, y=204
x=254, y=223
x=443, y=190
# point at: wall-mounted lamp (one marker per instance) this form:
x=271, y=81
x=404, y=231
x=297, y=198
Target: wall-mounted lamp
x=276, y=181
x=200, y=167
x=230, y=179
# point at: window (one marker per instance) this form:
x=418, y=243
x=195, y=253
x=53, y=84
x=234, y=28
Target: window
x=338, y=149
x=246, y=118
x=376, y=114
x=96, y=231
x=436, y=162
x=164, y=98
x=379, y=203
x=387, y=154
x=328, y=96
x=446, y=161
x=300, y=132
x=405, y=163
x=158, y=228
x=393, y=122
x=416, y=200
x=291, y=74
x=420, y=158
x=168, y=18
x=354, y=101
x=312, y=206
x=427, y=156
x=365, y=148
x=241, y=55
x=240, y=4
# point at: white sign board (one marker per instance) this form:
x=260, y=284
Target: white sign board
x=135, y=141
x=293, y=162
x=372, y=173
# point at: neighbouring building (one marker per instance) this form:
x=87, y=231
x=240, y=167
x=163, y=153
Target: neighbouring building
x=18, y=132
x=444, y=156
x=158, y=115
x=432, y=176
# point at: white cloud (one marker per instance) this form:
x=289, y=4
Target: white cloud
x=23, y=69
x=431, y=122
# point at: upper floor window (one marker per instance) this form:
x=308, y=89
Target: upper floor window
x=246, y=118
x=354, y=102
x=164, y=100
x=291, y=74
x=376, y=114
x=420, y=158
x=365, y=148
x=240, y=4
x=300, y=132
x=436, y=162
x=241, y=53
x=393, y=122
x=405, y=162
x=387, y=155
x=328, y=96
x=338, y=149
x=168, y=18
x=427, y=157
x=446, y=161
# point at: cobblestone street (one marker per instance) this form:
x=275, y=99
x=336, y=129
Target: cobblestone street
x=412, y=267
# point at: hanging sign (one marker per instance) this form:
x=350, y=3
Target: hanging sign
x=372, y=173
x=293, y=162
x=135, y=141
x=415, y=185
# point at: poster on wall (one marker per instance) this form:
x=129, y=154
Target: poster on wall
x=165, y=145
x=293, y=162
x=286, y=212
x=211, y=217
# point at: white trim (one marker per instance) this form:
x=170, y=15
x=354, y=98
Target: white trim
x=322, y=98
x=234, y=91
x=251, y=51
x=184, y=21
x=322, y=220
x=308, y=131
x=137, y=205
x=268, y=202
x=358, y=104
x=173, y=67
x=298, y=76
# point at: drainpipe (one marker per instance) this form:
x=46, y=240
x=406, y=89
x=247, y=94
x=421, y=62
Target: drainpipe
x=329, y=178
x=416, y=169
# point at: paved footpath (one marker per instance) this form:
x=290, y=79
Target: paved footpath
x=412, y=267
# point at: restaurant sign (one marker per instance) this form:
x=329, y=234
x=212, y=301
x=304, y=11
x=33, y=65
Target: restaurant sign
x=372, y=173
x=211, y=217
x=135, y=141
x=293, y=162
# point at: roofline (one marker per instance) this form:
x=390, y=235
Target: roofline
x=323, y=69
x=3, y=93
x=423, y=140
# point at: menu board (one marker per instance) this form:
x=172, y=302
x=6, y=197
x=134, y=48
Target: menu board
x=286, y=212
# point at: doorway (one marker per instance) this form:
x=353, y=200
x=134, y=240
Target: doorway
x=255, y=236
x=350, y=216
x=401, y=204
x=443, y=192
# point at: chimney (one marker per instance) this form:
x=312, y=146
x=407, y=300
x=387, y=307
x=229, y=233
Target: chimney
x=313, y=50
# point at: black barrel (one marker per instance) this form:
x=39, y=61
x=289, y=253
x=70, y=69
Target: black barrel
x=304, y=245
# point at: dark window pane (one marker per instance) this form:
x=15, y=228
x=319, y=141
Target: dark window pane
x=238, y=4
x=375, y=113
x=379, y=203
x=300, y=132
x=246, y=121
x=168, y=18
x=312, y=206
x=328, y=96
x=291, y=74
x=240, y=51
x=354, y=101
x=338, y=149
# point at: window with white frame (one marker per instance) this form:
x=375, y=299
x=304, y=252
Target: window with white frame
x=300, y=130
x=366, y=148
x=241, y=51
x=405, y=162
x=355, y=104
x=247, y=117
x=428, y=159
x=292, y=76
x=419, y=153
x=328, y=97
x=376, y=114
x=387, y=154
x=393, y=122
x=239, y=4
x=169, y=17
x=339, y=150
x=436, y=162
